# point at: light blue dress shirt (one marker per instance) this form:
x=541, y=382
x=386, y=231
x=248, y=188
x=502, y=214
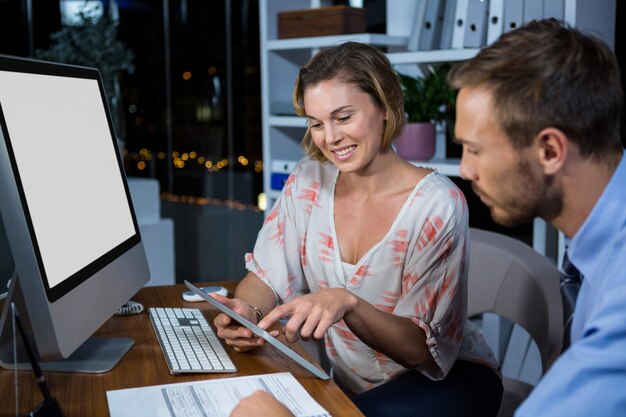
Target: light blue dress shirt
x=589, y=379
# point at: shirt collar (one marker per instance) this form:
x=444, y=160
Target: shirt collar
x=606, y=219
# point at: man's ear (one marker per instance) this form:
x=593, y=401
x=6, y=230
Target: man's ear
x=552, y=148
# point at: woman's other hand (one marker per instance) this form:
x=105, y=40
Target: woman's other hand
x=234, y=334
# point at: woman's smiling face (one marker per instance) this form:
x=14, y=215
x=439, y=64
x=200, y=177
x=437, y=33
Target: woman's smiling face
x=345, y=124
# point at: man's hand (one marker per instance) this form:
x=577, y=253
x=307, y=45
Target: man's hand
x=260, y=404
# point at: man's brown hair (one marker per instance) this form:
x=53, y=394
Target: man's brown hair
x=548, y=74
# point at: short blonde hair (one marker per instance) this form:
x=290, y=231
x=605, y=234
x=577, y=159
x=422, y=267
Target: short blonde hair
x=364, y=66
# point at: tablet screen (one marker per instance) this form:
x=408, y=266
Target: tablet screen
x=259, y=332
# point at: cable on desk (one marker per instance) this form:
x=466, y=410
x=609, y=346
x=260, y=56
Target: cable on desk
x=129, y=308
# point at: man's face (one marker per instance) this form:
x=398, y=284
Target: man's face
x=508, y=180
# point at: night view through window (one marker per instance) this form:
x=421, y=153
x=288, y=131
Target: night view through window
x=183, y=82
x=184, y=93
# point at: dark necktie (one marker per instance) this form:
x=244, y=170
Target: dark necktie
x=570, y=285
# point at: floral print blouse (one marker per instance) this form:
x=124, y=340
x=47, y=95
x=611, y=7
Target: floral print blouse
x=418, y=270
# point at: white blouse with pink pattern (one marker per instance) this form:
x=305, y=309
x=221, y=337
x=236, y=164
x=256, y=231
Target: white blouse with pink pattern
x=418, y=270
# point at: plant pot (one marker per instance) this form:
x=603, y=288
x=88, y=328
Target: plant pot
x=417, y=142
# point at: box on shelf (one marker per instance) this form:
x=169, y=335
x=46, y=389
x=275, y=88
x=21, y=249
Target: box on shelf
x=323, y=21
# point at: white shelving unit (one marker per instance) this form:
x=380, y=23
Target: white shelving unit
x=280, y=61
x=282, y=58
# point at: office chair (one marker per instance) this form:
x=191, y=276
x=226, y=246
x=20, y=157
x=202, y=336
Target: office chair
x=510, y=279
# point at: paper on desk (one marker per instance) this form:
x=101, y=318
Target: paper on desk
x=211, y=398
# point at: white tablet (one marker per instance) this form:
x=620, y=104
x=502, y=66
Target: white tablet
x=259, y=332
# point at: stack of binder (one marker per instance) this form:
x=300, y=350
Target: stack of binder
x=458, y=24
x=476, y=24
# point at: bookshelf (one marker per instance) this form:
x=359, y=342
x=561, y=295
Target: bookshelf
x=281, y=59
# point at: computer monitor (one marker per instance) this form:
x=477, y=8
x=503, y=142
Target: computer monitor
x=6, y=262
x=67, y=213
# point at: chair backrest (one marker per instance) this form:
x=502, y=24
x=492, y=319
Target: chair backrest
x=509, y=278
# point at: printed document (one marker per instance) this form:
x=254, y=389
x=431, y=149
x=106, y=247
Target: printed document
x=211, y=398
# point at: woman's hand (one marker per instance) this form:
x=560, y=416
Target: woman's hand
x=234, y=334
x=260, y=404
x=312, y=314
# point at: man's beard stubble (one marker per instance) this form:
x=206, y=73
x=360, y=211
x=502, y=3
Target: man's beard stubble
x=527, y=196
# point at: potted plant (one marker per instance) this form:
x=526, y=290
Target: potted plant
x=93, y=42
x=428, y=100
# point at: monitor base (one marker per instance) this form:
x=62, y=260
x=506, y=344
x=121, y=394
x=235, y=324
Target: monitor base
x=95, y=356
x=48, y=408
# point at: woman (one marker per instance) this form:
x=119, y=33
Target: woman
x=369, y=252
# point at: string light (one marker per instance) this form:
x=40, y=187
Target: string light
x=204, y=201
x=178, y=161
x=182, y=160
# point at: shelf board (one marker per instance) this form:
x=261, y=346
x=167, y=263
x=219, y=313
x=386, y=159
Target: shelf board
x=287, y=121
x=326, y=41
x=274, y=194
x=449, y=167
x=431, y=57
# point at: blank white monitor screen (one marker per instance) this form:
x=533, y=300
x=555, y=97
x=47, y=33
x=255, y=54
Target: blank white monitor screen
x=70, y=211
x=66, y=208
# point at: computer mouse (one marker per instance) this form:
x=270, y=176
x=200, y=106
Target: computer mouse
x=193, y=297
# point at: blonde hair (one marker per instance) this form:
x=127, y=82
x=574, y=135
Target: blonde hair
x=364, y=66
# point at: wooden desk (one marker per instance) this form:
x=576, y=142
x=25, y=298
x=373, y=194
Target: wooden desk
x=82, y=395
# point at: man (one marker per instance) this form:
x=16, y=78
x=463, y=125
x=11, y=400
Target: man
x=538, y=115
x=538, y=118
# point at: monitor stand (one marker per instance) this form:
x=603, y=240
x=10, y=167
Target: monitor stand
x=96, y=355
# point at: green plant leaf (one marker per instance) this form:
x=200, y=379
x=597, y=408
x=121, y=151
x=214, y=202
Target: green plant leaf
x=428, y=98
